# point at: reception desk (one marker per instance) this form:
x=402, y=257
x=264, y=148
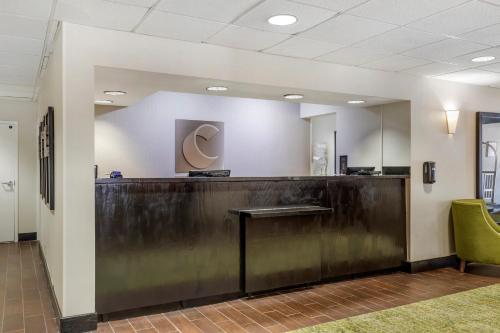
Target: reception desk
x=178, y=240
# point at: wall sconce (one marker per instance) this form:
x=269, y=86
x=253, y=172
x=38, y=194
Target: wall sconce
x=452, y=119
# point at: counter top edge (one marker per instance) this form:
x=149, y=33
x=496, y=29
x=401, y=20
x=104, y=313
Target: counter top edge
x=236, y=179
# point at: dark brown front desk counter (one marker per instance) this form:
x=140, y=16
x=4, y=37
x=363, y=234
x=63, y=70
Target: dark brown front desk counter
x=178, y=240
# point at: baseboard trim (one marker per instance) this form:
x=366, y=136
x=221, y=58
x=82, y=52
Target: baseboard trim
x=78, y=324
x=73, y=324
x=430, y=264
x=26, y=236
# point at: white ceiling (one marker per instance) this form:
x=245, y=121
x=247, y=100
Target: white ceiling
x=435, y=38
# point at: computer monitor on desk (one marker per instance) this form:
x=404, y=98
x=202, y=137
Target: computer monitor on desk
x=360, y=170
x=397, y=170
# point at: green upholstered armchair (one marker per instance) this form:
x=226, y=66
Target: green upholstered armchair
x=477, y=236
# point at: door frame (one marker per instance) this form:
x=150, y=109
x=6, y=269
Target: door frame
x=16, y=178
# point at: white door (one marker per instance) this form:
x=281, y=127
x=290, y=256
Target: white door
x=8, y=181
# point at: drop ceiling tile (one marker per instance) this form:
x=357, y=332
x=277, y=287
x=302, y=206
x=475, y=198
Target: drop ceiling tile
x=472, y=76
x=402, y=11
x=337, y=5
x=353, y=56
x=489, y=35
x=399, y=40
x=395, y=63
x=214, y=10
x=347, y=29
x=163, y=24
x=494, y=2
x=17, y=75
x=99, y=13
x=303, y=48
x=435, y=68
x=27, y=8
x=307, y=16
x=12, y=59
x=22, y=26
x=138, y=3
x=445, y=50
x=16, y=91
x=20, y=45
x=466, y=59
x=246, y=38
x=491, y=68
x=459, y=20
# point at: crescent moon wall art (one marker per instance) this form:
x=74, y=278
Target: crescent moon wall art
x=199, y=145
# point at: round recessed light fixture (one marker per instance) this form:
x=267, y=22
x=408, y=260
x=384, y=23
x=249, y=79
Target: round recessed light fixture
x=115, y=92
x=104, y=101
x=293, y=96
x=282, y=19
x=356, y=102
x=483, y=59
x=217, y=88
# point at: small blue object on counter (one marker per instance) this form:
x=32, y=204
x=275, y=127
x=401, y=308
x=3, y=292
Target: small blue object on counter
x=115, y=174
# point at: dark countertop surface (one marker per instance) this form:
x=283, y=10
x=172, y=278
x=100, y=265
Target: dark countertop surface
x=234, y=179
x=279, y=211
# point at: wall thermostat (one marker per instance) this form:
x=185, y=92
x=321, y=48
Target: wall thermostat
x=429, y=172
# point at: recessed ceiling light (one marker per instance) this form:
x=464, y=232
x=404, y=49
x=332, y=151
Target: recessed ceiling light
x=356, y=102
x=293, y=96
x=103, y=101
x=282, y=19
x=483, y=59
x=115, y=92
x=217, y=88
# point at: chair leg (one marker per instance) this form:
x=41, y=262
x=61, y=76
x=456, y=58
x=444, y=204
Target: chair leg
x=463, y=263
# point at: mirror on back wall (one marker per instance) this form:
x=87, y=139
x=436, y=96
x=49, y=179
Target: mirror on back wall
x=487, y=177
x=362, y=140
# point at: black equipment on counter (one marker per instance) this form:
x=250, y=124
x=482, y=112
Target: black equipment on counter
x=209, y=173
x=361, y=171
x=396, y=170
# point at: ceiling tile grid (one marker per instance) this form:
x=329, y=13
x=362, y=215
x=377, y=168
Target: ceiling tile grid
x=420, y=37
x=214, y=10
x=163, y=24
x=434, y=69
x=100, y=13
x=399, y=40
x=29, y=8
x=347, y=30
x=307, y=16
x=353, y=56
x=445, y=50
x=23, y=26
x=459, y=20
x=246, y=38
x=402, y=12
x=395, y=63
x=303, y=48
x=337, y=5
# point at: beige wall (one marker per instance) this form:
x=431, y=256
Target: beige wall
x=25, y=115
x=86, y=47
x=50, y=224
x=396, y=134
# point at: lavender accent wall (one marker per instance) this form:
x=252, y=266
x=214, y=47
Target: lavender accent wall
x=262, y=137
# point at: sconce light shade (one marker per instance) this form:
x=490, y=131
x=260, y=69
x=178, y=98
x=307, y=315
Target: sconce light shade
x=452, y=119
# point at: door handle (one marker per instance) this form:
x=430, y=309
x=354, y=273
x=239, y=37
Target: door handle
x=11, y=183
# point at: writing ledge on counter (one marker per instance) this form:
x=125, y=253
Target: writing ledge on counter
x=280, y=211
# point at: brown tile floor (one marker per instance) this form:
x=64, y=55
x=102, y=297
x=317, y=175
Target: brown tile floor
x=25, y=300
x=281, y=312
